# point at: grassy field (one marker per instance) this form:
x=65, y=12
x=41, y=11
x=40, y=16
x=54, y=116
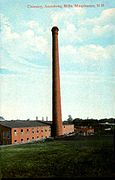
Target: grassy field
x=69, y=157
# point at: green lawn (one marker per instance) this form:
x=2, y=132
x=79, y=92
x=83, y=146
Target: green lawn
x=73, y=157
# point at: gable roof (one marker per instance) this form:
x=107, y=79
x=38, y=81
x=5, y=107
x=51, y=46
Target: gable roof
x=23, y=123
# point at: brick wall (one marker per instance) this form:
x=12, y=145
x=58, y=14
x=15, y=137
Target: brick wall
x=68, y=128
x=84, y=130
x=28, y=134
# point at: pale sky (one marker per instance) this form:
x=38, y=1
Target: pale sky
x=86, y=54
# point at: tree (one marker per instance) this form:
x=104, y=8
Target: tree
x=70, y=119
x=1, y=118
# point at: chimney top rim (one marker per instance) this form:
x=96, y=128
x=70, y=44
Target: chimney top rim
x=55, y=29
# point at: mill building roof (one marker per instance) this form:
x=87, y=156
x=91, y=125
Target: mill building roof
x=22, y=123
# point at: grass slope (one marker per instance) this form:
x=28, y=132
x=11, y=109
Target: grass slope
x=71, y=157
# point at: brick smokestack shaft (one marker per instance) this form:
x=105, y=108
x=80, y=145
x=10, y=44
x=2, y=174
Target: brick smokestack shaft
x=56, y=113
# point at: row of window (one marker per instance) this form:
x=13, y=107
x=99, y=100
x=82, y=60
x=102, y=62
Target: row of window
x=28, y=130
x=22, y=140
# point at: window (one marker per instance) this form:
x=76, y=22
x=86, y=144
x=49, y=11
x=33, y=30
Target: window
x=27, y=130
x=32, y=130
x=37, y=137
x=22, y=140
x=15, y=132
x=15, y=141
x=45, y=130
x=42, y=130
x=27, y=139
x=21, y=130
x=6, y=134
x=37, y=131
x=32, y=137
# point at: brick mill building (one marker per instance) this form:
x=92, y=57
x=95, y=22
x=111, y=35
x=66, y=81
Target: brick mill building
x=84, y=130
x=23, y=131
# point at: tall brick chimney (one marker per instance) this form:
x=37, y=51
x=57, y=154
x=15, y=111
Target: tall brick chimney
x=56, y=99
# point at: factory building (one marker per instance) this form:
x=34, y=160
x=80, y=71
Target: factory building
x=21, y=131
x=24, y=131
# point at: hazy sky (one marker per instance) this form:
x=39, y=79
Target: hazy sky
x=87, y=58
